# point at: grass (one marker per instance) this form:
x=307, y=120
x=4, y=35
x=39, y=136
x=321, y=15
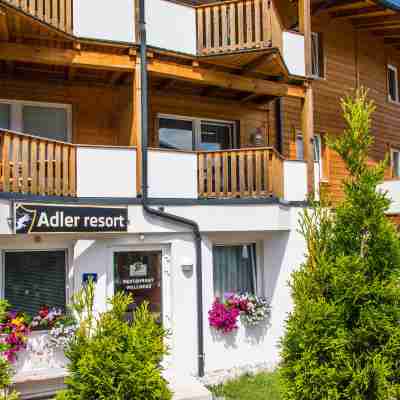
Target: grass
x=262, y=386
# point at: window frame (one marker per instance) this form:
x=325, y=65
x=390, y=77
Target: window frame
x=320, y=162
x=320, y=62
x=298, y=135
x=392, y=67
x=197, y=121
x=392, y=151
x=68, y=280
x=259, y=283
x=16, y=115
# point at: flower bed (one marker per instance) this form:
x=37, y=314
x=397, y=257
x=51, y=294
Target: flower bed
x=224, y=315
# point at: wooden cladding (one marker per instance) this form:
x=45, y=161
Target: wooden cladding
x=36, y=166
x=234, y=25
x=57, y=13
x=240, y=173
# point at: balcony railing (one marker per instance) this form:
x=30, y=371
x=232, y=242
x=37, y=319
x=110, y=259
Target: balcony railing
x=256, y=172
x=233, y=25
x=57, y=13
x=36, y=166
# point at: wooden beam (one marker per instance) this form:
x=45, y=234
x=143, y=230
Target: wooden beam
x=55, y=56
x=305, y=29
x=254, y=64
x=224, y=79
x=4, y=31
x=361, y=13
x=345, y=5
x=136, y=126
x=249, y=97
x=307, y=124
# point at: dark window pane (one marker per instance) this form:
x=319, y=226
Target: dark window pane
x=216, y=136
x=48, y=122
x=33, y=279
x=4, y=116
x=175, y=134
x=392, y=78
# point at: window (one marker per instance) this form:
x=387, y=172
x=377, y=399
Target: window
x=393, y=83
x=48, y=120
x=299, y=147
x=235, y=269
x=317, y=144
x=182, y=133
x=317, y=59
x=33, y=279
x=395, y=163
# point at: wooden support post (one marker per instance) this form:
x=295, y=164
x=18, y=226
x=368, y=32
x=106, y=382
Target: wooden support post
x=305, y=29
x=136, y=127
x=307, y=124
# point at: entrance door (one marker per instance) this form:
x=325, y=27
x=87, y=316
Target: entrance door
x=139, y=273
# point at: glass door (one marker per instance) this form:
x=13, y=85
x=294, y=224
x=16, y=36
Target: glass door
x=139, y=273
x=215, y=136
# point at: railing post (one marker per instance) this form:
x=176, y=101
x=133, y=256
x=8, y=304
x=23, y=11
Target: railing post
x=305, y=29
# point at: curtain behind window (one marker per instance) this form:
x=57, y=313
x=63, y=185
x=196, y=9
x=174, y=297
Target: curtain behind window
x=234, y=269
x=47, y=122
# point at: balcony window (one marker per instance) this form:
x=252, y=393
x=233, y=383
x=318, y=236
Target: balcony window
x=317, y=58
x=395, y=163
x=184, y=133
x=4, y=116
x=47, y=120
x=33, y=279
x=393, y=83
x=235, y=269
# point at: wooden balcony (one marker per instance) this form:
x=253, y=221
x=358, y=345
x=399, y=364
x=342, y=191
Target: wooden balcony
x=256, y=172
x=233, y=25
x=57, y=13
x=36, y=166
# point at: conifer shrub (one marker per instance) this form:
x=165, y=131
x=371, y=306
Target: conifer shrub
x=111, y=359
x=343, y=336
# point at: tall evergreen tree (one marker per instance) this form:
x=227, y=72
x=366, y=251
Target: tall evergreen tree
x=343, y=336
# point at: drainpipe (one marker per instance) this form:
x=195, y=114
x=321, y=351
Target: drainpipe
x=157, y=213
x=279, y=124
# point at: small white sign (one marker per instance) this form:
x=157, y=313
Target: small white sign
x=138, y=269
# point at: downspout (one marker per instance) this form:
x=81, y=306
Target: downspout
x=279, y=124
x=159, y=213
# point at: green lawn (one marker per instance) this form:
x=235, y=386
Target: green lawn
x=263, y=386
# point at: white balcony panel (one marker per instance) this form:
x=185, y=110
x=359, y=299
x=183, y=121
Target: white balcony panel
x=171, y=26
x=105, y=20
x=294, y=53
x=172, y=175
x=393, y=192
x=295, y=180
x=106, y=172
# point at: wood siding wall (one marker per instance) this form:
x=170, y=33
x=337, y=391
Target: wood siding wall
x=100, y=113
x=351, y=60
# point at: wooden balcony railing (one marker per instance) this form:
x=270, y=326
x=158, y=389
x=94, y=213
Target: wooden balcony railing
x=233, y=25
x=57, y=13
x=36, y=166
x=256, y=172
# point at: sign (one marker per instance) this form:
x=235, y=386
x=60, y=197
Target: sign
x=41, y=218
x=138, y=269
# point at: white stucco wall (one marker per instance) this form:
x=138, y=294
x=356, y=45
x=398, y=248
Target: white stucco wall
x=171, y=26
x=104, y=20
x=295, y=180
x=106, y=172
x=294, y=53
x=279, y=253
x=393, y=192
x=172, y=175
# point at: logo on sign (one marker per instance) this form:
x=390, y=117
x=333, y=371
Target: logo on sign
x=37, y=218
x=138, y=270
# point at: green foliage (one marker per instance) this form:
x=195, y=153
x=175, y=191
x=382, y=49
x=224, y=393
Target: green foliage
x=261, y=386
x=343, y=337
x=111, y=359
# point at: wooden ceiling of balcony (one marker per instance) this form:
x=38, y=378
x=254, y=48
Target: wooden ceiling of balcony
x=366, y=15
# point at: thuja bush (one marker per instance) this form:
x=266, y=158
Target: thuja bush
x=113, y=359
x=343, y=337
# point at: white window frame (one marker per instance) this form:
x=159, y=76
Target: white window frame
x=318, y=140
x=395, y=174
x=393, y=68
x=16, y=114
x=197, y=126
